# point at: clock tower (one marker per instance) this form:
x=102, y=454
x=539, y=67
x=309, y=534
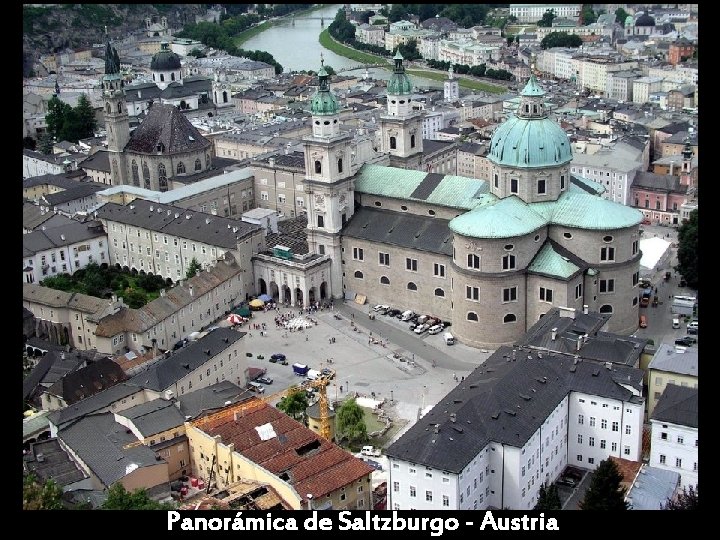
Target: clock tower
x=328, y=180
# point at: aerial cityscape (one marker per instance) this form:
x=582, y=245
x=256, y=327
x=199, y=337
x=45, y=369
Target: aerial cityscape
x=360, y=256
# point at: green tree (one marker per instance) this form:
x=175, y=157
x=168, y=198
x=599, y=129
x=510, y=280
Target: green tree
x=55, y=118
x=86, y=114
x=587, y=14
x=197, y=53
x=688, y=250
x=604, y=492
x=193, y=268
x=45, y=143
x=294, y=403
x=548, y=498
x=37, y=496
x=620, y=16
x=547, y=19
x=330, y=70
x=409, y=50
x=560, y=39
x=134, y=298
x=351, y=421
x=29, y=143
x=121, y=499
x=687, y=500
x=397, y=13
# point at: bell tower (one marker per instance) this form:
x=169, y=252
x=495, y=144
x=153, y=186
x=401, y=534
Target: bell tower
x=328, y=180
x=116, y=117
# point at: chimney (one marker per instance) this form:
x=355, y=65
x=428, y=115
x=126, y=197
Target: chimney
x=672, y=167
x=191, y=290
x=585, y=309
x=579, y=342
x=162, y=292
x=151, y=207
x=271, y=162
x=453, y=417
x=62, y=237
x=553, y=335
x=207, y=221
x=437, y=428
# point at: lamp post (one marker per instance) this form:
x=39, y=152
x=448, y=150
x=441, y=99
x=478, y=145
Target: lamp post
x=309, y=498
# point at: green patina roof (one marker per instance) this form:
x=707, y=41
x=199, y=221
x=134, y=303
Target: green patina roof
x=596, y=187
x=399, y=83
x=532, y=88
x=576, y=208
x=529, y=142
x=324, y=102
x=551, y=263
x=507, y=218
x=452, y=191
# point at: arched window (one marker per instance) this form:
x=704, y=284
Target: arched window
x=108, y=108
x=146, y=176
x=162, y=77
x=224, y=96
x=384, y=280
x=606, y=308
x=318, y=167
x=472, y=316
x=340, y=165
x=172, y=76
x=135, y=174
x=181, y=168
x=412, y=141
x=153, y=77
x=120, y=107
x=393, y=143
x=207, y=161
x=358, y=274
x=198, y=165
x=439, y=292
x=411, y=286
x=509, y=318
x=162, y=177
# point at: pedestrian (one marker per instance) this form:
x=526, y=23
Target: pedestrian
x=341, y=388
x=306, y=338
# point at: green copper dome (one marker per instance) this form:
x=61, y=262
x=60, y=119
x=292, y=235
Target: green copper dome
x=399, y=83
x=530, y=139
x=324, y=102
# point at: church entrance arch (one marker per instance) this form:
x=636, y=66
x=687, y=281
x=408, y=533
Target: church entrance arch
x=323, y=290
x=274, y=291
x=262, y=286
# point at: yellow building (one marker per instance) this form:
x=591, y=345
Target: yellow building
x=671, y=365
x=252, y=441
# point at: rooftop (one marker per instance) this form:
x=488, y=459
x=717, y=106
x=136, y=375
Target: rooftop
x=154, y=416
x=49, y=461
x=672, y=359
x=168, y=131
x=677, y=405
x=652, y=488
x=87, y=381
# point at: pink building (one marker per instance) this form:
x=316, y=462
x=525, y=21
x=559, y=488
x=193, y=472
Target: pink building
x=658, y=196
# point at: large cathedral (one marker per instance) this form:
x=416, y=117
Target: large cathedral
x=490, y=257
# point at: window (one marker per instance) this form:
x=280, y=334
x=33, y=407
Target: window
x=473, y=261
x=578, y=290
x=320, y=221
x=508, y=262
x=606, y=308
x=562, y=181
x=198, y=165
x=446, y=500
x=384, y=259
x=393, y=143
x=607, y=285
x=580, y=438
x=592, y=421
x=411, y=286
x=396, y=487
x=384, y=280
x=181, y=168
x=603, y=444
x=541, y=187
x=510, y=294
x=546, y=294
x=496, y=180
x=358, y=274
x=603, y=423
x=439, y=292
x=567, y=235
x=146, y=175
x=135, y=174
x=607, y=253
x=581, y=419
x=411, y=264
x=162, y=178
x=513, y=185
x=428, y=496
x=439, y=270
x=472, y=316
x=318, y=167
x=358, y=254
x=340, y=165
x=615, y=426
x=591, y=441
x=678, y=461
x=509, y=318
x=412, y=491
x=591, y=460
x=579, y=457
x=627, y=430
x=626, y=450
x=680, y=439
x=472, y=293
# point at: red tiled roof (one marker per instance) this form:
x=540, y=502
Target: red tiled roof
x=628, y=470
x=320, y=471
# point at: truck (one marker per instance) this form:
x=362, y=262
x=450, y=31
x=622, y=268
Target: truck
x=683, y=305
x=370, y=451
x=300, y=369
x=645, y=297
x=312, y=374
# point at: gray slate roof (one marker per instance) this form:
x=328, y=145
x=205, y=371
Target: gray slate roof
x=154, y=416
x=491, y=406
x=99, y=161
x=148, y=92
x=58, y=180
x=673, y=359
x=93, y=404
x=88, y=380
x=652, y=488
x=64, y=235
x=166, y=125
x=210, y=398
x=55, y=464
x=34, y=218
x=86, y=189
x=173, y=220
x=98, y=441
x=677, y=405
x=405, y=230
x=46, y=371
x=189, y=87
x=163, y=374
x=658, y=182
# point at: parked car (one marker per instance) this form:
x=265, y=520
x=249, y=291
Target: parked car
x=383, y=310
x=413, y=325
x=380, y=306
x=393, y=312
x=264, y=380
x=564, y=481
x=421, y=328
x=435, y=329
x=686, y=341
x=277, y=357
x=692, y=327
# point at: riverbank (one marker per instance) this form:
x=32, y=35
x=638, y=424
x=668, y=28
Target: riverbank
x=327, y=41
x=246, y=35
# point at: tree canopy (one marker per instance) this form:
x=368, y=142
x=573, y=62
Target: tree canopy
x=66, y=123
x=193, y=268
x=548, y=498
x=41, y=496
x=560, y=39
x=686, y=500
x=588, y=15
x=688, y=250
x=604, y=492
x=294, y=403
x=121, y=499
x=351, y=421
x=621, y=15
x=547, y=19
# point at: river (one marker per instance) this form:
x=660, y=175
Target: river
x=297, y=48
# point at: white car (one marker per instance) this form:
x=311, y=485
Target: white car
x=421, y=328
x=379, y=307
x=435, y=329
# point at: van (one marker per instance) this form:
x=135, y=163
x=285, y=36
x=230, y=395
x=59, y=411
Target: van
x=407, y=315
x=370, y=451
x=676, y=323
x=643, y=321
x=449, y=338
x=256, y=387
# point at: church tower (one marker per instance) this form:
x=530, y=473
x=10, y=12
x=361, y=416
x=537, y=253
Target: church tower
x=451, y=87
x=328, y=180
x=116, y=117
x=401, y=127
